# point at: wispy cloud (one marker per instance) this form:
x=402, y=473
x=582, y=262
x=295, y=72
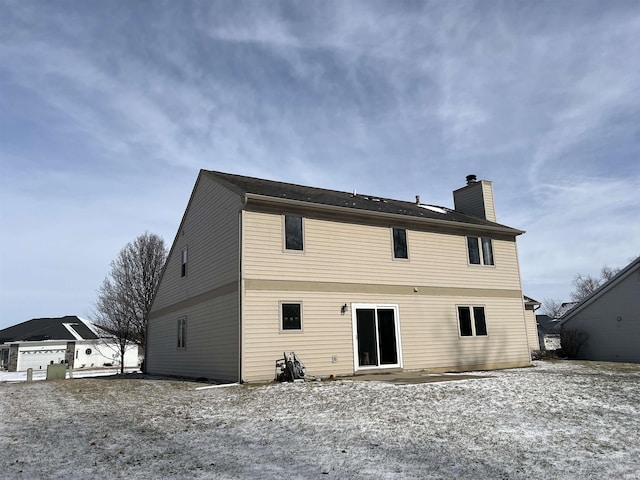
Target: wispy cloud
x=107, y=111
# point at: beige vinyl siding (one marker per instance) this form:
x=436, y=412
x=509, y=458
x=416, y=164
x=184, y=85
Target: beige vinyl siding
x=325, y=333
x=429, y=332
x=354, y=253
x=208, y=294
x=431, y=335
x=211, y=344
x=610, y=339
x=489, y=206
x=532, y=329
x=210, y=234
x=353, y=263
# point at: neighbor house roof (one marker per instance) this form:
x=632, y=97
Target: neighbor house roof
x=605, y=287
x=279, y=191
x=60, y=328
x=531, y=301
x=546, y=324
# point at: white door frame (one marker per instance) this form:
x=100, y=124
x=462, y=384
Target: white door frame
x=396, y=318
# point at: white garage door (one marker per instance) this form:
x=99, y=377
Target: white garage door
x=39, y=359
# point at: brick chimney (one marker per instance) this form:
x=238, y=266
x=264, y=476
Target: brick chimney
x=475, y=199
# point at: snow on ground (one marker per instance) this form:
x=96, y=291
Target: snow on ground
x=565, y=420
x=42, y=374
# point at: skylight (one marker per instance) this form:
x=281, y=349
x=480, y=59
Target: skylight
x=433, y=209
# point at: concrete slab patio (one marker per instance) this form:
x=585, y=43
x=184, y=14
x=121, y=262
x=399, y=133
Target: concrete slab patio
x=412, y=378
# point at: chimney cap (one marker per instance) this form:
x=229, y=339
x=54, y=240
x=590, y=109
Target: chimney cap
x=471, y=179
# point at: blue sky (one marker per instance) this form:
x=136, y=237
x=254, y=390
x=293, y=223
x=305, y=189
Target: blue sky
x=109, y=109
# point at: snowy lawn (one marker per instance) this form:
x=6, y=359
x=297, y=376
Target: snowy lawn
x=553, y=421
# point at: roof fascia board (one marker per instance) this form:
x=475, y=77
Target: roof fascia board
x=622, y=274
x=446, y=224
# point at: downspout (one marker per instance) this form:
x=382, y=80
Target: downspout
x=240, y=285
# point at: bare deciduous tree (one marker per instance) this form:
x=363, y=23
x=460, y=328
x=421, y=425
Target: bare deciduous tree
x=125, y=297
x=607, y=273
x=585, y=285
x=552, y=307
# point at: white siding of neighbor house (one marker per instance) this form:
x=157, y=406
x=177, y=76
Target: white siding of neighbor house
x=207, y=295
x=346, y=263
x=103, y=353
x=612, y=322
x=38, y=355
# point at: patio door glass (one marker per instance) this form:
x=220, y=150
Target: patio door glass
x=376, y=343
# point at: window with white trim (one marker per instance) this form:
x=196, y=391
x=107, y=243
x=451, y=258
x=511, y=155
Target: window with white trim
x=472, y=321
x=480, y=250
x=290, y=316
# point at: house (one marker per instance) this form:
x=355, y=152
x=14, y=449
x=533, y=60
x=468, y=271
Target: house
x=530, y=307
x=610, y=318
x=351, y=283
x=72, y=340
x=548, y=332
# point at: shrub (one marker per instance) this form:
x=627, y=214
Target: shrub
x=571, y=342
x=545, y=354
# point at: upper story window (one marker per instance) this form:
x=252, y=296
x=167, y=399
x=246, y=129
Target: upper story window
x=472, y=321
x=400, y=249
x=293, y=233
x=480, y=250
x=184, y=262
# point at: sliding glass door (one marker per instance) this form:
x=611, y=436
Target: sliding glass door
x=376, y=342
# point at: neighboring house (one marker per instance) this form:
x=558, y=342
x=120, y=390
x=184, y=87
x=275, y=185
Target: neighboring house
x=548, y=332
x=564, y=308
x=530, y=307
x=610, y=317
x=351, y=283
x=40, y=342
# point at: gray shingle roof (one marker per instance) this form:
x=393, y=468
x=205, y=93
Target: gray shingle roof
x=38, y=329
x=362, y=202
